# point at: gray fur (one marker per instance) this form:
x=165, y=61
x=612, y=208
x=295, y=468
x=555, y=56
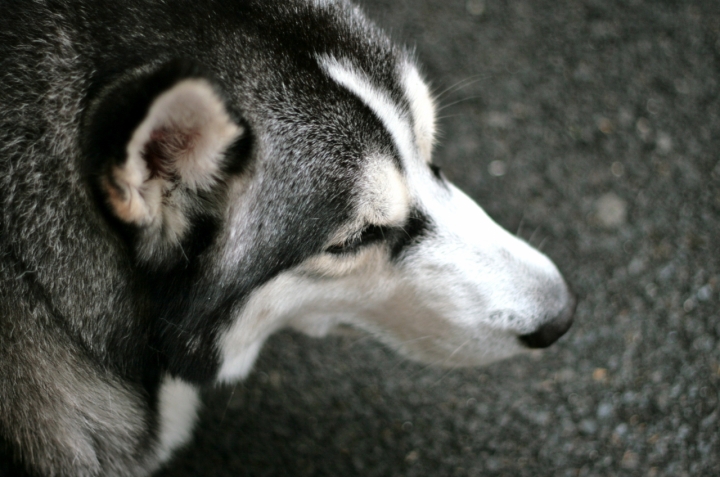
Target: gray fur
x=91, y=323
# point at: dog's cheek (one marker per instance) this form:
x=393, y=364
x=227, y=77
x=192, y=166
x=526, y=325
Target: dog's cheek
x=306, y=302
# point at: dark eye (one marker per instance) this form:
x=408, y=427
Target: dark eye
x=370, y=234
x=436, y=171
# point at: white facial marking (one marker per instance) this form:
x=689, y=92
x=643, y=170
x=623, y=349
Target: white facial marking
x=460, y=295
x=178, y=404
x=293, y=299
x=258, y=319
x=384, y=197
x=515, y=287
x=358, y=83
x=423, y=110
x=334, y=266
x=383, y=201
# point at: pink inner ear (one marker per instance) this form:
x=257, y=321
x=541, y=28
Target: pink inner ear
x=165, y=147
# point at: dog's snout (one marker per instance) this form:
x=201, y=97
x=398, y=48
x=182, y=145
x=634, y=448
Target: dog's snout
x=553, y=329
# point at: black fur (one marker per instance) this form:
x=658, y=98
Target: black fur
x=77, y=77
x=124, y=275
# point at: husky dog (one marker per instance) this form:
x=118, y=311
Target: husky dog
x=179, y=180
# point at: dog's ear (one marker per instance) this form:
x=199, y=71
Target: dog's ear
x=156, y=142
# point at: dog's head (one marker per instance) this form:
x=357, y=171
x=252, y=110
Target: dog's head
x=290, y=183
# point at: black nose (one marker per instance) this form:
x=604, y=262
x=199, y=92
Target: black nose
x=551, y=331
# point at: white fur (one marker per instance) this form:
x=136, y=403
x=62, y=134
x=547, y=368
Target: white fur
x=358, y=83
x=461, y=296
x=243, y=344
x=423, y=110
x=178, y=403
x=384, y=198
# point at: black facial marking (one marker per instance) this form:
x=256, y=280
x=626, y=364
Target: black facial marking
x=369, y=235
x=436, y=171
x=398, y=238
x=417, y=225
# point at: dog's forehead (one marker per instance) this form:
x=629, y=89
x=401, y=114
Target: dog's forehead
x=335, y=128
x=275, y=46
x=334, y=93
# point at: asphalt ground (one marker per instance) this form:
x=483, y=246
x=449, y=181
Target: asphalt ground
x=592, y=129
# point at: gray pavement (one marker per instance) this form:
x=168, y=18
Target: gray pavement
x=592, y=128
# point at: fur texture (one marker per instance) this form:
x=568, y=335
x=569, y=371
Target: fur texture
x=179, y=180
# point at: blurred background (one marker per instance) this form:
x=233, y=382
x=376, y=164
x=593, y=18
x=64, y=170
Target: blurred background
x=592, y=129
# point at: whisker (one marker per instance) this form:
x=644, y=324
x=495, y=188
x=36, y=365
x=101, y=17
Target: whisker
x=187, y=260
x=366, y=337
x=416, y=339
x=439, y=118
x=464, y=83
x=457, y=84
x=532, y=236
x=542, y=242
x=227, y=404
x=175, y=326
x=456, y=350
x=453, y=368
x=520, y=226
x=401, y=361
x=404, y=230
x=445, y=106
x=444, y=360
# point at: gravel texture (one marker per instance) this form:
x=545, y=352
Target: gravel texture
x=591, y=128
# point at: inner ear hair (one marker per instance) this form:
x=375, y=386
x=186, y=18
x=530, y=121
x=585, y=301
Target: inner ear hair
x=180, y=142
x=157, y=136
x=155, y=143
x=184, y=135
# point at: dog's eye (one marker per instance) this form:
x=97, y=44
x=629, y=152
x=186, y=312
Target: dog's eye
x=370, y=234
x=436, y=171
